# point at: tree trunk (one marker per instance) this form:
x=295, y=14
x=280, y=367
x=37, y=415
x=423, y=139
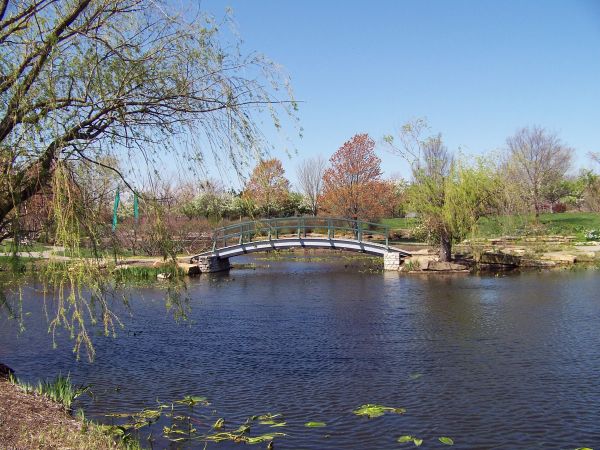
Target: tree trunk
x=445, y=248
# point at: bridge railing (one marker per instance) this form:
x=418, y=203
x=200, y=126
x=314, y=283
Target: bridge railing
x=299, y=227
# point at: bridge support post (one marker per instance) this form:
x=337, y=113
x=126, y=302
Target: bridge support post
x=392, y=261
x=208, y=264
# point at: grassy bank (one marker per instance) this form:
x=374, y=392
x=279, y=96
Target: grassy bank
x=399, y=223
x=31, y=419
x=577, y=224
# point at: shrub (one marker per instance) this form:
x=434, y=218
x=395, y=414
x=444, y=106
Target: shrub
x=593, y=235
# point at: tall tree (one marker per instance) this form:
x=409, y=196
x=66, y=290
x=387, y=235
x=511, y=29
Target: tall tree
x=352, y=185
x=448, y=196
x=310, y=178
x=536, y=160
x=268, y=187
x=95, y=79
x=134, y=81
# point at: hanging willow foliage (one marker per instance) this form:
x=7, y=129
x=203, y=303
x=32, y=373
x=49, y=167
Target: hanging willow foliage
x=81, y=291
x=79, y=287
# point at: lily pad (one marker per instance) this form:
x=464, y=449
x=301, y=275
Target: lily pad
x=315, y=424
x=408, y=438
x=446, y=440
x=371, y=410
x=280, y=424
x=192, y=400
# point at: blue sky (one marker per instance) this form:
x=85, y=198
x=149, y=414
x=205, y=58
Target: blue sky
x=477, y=70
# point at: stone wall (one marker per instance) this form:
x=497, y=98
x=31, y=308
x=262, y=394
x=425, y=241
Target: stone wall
x=392, y=261
x=209, y=264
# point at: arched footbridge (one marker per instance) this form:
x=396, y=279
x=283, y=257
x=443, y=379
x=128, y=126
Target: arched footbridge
x=298, y=232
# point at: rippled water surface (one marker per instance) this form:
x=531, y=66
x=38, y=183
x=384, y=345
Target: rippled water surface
x=508, y=362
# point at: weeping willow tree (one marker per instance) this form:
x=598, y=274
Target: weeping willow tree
x=448, y=195
x=83, y=80
x=123, y=86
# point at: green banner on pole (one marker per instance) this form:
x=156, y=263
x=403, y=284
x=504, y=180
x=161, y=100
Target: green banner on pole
x=114, y=223
x=136, y=211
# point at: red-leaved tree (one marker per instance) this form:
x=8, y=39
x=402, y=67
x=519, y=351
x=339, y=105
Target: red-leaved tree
x=352, y=185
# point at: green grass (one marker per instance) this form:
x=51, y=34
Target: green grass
x=569, y=223
x=574, y=223
x=144, y=273
x=399, y=222
x=14, y=264
x=88, y=252
x=59, y=390
x=6, y=247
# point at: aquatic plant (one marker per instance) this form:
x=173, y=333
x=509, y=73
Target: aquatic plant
x=60, y=390
x=182, y=427
x=408, y=438
x=371, y=410
x=315, y=424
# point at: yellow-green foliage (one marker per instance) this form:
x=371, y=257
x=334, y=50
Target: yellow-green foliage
x=453, y=204
x=77, y=286
x=471, y=192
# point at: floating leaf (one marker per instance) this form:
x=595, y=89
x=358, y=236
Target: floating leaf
x=219, y=424
x=119, y=415
x=417, y=442
x=371, y=410
x=221, y=437
x=192, y=400
x=280, y=424
x=446, y=440
x=245, y=428
x=267, y=416
x=403, y=439
x=315, y=424
x=263, y=438
x=415, y=376
x=148, y=414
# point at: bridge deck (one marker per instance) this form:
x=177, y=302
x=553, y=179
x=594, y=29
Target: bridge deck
x=362, y=246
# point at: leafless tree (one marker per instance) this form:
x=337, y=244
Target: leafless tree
x=310, y=178
x=536, y=159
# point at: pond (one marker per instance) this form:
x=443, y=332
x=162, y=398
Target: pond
x=494, y=362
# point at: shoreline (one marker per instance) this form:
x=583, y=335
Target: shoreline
x=31, y=420
x=499, y=254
